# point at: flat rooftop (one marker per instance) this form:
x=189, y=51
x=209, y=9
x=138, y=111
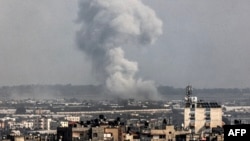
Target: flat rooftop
x=205, y=105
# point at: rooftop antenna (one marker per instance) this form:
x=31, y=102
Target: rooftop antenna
x=189, y=91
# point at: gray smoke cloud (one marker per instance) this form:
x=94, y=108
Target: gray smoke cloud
x=106, y=27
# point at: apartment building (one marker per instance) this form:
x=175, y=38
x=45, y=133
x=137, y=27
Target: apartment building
x=200, y=116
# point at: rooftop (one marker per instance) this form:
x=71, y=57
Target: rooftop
x=205, y=105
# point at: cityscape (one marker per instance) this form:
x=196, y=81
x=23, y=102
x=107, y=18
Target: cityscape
x=124, y=70
x=72, y=119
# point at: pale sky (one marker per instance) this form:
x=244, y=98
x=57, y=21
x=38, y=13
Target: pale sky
x=204, y=43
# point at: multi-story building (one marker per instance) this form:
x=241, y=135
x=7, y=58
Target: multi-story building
x=73, y=118
x=64, y=123
x=42, y=123
x=28, y=124
x=77, y=131
x=97, y=133
x=42, y=111
x=163, y=134
x=113, y=133
x=199, y=116
x=45, y=123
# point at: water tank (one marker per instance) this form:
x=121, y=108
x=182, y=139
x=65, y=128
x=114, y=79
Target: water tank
x=194, y=99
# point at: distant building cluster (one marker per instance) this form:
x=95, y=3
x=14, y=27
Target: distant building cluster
x=126, y=120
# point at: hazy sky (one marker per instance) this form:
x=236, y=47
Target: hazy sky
x=204, y=43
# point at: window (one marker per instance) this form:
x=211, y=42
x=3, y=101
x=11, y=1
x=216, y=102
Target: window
x=94, y=134
x=193, y=106
x=192, y=118
x=162, y=136
x=207, y=109
x=207, y=118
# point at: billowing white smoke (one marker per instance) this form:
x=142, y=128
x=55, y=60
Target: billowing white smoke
x=109, y=25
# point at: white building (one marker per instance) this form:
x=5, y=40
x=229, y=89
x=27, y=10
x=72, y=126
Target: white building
x=64, y=124
x=73, y=118
x=28, y=124
x=42, y=123
x=200, y=116
x=7, y=111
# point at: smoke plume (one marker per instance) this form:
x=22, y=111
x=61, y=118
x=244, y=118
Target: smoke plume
x=107, y=26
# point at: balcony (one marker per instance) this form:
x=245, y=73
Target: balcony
x=207, y=124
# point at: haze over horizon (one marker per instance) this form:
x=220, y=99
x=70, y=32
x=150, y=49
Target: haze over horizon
x=204, y=43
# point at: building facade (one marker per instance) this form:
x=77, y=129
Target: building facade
x=200, y=116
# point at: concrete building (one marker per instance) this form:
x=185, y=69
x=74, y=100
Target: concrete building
x=73, y=132
x=97, y=133
x=64, y=124
x=113, y=133
x=28, y=124
x=168, y=134
x=42, y=123
x=73, y=118
x=83, y=133
x=45, y=123
x=163, y=134
x=7, y=111
x=80, y=133
x=199, y=116
x=132, y=137
x=42, y=111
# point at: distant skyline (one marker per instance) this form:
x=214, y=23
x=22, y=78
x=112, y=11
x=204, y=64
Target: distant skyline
x=204, y=43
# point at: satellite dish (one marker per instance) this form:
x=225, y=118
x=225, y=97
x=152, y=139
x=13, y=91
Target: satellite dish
x=186, y=98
